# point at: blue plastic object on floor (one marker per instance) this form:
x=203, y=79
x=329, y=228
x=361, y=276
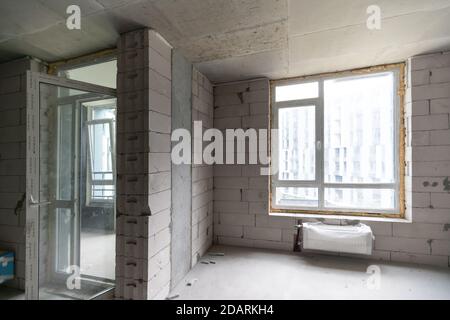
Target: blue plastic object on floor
x=6, y=266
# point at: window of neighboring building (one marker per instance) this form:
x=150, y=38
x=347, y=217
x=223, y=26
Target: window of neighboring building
x=339, y=146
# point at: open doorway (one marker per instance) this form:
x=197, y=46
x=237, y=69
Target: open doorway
x=97, y=189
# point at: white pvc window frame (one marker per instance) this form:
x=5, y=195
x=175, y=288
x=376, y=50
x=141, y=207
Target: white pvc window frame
x=318, y=182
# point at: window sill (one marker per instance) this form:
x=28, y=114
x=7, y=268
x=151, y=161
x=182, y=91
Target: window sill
x=339, y=217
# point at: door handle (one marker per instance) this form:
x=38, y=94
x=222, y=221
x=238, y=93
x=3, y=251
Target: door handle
x=319, y=145
x=34, y=203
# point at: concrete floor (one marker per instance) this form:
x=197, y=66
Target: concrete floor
x=46, y=294
x=98, y=254
x=11, y=294
x=244, y=273
x=263, y=274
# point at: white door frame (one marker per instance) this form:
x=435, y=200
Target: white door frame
x=33, y=201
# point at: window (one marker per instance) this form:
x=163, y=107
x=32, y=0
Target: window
x=339, y=144
x=100, y=165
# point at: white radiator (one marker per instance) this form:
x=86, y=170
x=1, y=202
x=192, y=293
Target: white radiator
x=347, y=239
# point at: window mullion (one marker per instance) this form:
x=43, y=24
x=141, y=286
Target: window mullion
x=361, y=185
x=295, y=183
x=297, y=103
x=320, y=144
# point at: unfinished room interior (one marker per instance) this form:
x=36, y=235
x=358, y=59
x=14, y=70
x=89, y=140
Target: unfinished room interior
x=224, y=150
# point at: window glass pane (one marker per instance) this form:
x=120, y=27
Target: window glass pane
x=297, y=91
x=359, y=129
x=101, y=161
x=372, y=199
x=64, y=225
x=296, y=137
x=297, y=197
x=103, y=74
x=103, y=113
x=65, y=152
x=101, y=150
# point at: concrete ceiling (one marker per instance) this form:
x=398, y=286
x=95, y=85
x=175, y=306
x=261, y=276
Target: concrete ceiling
x=235, y=39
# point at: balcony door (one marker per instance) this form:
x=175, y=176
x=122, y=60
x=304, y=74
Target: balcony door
x=70, y=188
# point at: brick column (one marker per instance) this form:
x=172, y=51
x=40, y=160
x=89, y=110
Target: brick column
x=202, y=174
x=143, y=166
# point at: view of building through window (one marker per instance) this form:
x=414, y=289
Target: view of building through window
x=297, y=143
x=355, y=151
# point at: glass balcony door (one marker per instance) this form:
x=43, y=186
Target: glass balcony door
x=70, y=189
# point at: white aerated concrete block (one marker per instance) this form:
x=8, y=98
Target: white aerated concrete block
x=440, y=106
